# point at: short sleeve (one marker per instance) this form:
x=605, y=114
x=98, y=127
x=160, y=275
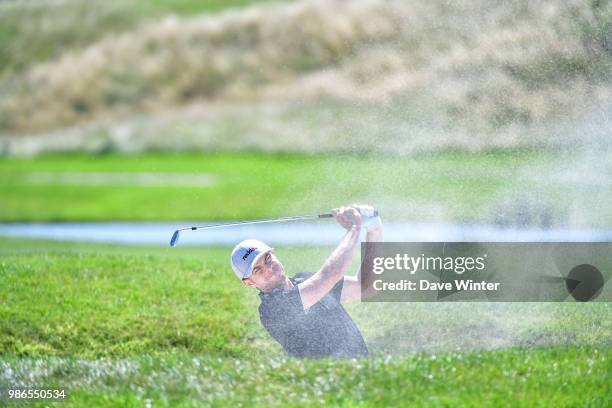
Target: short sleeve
x=337, y=289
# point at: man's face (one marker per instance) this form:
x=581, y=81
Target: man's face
x=267, y=274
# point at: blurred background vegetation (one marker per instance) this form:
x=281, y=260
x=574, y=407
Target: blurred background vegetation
x=382, y=79
x=388, y=75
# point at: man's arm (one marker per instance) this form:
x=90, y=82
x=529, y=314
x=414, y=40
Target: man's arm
x=314, y=288
x=351, y=291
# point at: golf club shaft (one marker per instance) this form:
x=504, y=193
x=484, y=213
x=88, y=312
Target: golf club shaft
x=175, y=236
x=262, y=221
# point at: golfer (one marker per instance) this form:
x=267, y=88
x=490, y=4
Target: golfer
x=304, y=313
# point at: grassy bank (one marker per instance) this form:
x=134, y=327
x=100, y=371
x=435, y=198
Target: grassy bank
x=95, y=301
x=120, y=325
x=516, y=187
x=560, y=377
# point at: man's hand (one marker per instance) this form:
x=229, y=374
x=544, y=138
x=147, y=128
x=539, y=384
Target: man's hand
x=360, y=286
x=348, y=217
x=370, y=221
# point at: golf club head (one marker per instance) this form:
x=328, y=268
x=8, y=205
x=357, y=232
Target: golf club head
x=174, y=238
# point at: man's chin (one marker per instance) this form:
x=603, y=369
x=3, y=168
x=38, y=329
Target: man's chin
x=277, y=279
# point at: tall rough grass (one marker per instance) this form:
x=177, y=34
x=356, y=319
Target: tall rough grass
x=483, y=64
x=35, y=31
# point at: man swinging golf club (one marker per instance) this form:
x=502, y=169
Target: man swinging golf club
x=304, y=313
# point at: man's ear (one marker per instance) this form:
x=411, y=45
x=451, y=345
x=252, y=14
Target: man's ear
x=248, y=282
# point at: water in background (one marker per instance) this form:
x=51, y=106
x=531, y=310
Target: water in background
x=296, y=233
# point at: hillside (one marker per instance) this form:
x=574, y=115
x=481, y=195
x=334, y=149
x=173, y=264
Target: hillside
x=473, y=75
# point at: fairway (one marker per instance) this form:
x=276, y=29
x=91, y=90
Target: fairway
x=520, y=187
x=118, y=325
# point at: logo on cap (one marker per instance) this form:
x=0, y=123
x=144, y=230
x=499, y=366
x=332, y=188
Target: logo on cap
x=248, y=252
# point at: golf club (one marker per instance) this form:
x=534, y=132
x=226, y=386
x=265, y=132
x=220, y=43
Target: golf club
x=175, y=236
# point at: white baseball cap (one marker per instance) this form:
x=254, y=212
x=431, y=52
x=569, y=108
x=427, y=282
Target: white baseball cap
x=245, y=255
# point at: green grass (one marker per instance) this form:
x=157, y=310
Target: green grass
x=119, y=325
x=93, y=300
x=560, y=377
x=452, y=186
